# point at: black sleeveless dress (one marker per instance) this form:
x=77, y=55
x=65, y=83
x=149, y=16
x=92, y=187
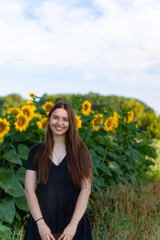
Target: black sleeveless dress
x=57, y=200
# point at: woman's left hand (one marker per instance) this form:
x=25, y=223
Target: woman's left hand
x=69, y=231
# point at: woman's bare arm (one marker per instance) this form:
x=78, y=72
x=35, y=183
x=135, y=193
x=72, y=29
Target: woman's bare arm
x=79, y=210
x=82, y=200
x=30, y=186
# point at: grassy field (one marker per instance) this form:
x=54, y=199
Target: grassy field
x=130, y=213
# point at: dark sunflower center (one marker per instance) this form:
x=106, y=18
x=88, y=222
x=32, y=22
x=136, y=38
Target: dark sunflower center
x=2, y=127
x=48, y=108
x=21, y=121
x=127, y=118
x=109, y=123
x=97, y=120
x=86, y=107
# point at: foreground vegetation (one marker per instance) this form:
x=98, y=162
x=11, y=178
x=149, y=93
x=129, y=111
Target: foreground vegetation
x=126, y=213
x=122, y=154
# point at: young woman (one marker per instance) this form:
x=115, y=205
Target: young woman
x=63, y=166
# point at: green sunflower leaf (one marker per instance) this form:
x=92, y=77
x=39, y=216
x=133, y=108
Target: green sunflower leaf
x=23, y=151
x=12, y=156
x=10, y=183
x=7, y=209
x=113, y=166
x=21, y=203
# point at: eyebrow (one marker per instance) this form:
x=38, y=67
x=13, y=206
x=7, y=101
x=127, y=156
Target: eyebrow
x=58, y=116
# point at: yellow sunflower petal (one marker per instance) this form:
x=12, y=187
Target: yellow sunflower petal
x=44, y=122
x=47, y=106
x=108, y=124
x=78, y=122
x=16, y=110
x=22, y=122
x=39, y=124
x=86, y=108
x=37, y=115
x=98, y=118
x=4, y=127
x=27, y=111
x=32, y=95
x=31, y=105
x=129, y=118
x=115, y=120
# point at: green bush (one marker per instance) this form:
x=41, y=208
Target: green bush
x=120, y=152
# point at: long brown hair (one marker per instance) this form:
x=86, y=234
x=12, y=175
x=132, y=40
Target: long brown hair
x=79, y=160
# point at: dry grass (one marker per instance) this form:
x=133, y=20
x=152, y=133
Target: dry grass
x=127, y=213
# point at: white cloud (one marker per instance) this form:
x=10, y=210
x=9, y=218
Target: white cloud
x=122, y=41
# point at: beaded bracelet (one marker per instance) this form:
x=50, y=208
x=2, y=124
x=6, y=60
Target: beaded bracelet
x=38, y=219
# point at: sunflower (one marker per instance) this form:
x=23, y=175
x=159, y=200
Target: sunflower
x=115, y=115
x=104, y=110
x=86, y=107
x=39, y=124
x=44, y=122
x=115, y=120
x=129, y=118
x=37, y=115
x=47, y=106
x=108, y=124
x=15, y=110
x=78, y=122
x=4, y=127
x=22, y=122
x=98, y=118
x=27, y=111
x=1, y=140
x=32, y=95
x=31, y=104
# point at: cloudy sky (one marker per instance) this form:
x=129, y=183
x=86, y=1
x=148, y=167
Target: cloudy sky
x=81, y=46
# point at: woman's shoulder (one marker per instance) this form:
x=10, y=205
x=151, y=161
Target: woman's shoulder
x=30, y=162
x=35, y=147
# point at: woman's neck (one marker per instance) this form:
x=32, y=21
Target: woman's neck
x=59, y=140
x=59, y=146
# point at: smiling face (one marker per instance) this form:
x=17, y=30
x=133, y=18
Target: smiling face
x=59, y=122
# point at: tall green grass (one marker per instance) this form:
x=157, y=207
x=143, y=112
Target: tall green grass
x=126, y=213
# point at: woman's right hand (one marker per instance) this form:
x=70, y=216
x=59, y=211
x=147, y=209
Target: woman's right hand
x=44, y=230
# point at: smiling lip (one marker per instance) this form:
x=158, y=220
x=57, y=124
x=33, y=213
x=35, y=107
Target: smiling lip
x=59, y=128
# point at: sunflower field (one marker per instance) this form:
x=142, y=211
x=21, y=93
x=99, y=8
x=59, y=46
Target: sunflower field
x=120, y=152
